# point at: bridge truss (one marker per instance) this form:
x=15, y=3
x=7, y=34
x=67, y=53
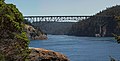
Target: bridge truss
x=58, y=18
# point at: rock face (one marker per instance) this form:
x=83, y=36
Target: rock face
x=39, y=54
x=34, y=34
x=13, y=40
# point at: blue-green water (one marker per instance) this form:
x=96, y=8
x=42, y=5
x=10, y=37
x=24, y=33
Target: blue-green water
x=81, y=48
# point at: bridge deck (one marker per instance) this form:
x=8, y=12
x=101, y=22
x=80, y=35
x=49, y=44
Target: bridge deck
x=69, y=16
x=59, y=18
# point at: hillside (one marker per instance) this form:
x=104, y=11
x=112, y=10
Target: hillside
x=58, y=28
x=98, y=26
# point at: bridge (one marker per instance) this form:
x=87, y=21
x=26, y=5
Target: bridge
x=59, y=18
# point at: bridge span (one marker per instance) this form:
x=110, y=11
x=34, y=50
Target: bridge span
x=58, y=18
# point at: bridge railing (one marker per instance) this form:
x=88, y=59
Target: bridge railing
x=59, y=18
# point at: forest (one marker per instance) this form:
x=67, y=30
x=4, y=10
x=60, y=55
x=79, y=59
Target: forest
x=99, y=26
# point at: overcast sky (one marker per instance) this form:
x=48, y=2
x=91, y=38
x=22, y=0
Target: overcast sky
x=62, y=7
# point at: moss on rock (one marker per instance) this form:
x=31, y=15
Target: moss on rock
x=2, y=58
x=13, y=40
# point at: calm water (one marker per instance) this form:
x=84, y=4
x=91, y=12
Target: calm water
x=81, y=48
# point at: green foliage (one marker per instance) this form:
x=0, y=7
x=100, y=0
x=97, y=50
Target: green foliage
x=22, y=36
x=16, y=12
x=2, y=2
x=2, y=57
x=11, y=27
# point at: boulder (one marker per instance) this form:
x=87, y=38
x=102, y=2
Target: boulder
x=39, y=54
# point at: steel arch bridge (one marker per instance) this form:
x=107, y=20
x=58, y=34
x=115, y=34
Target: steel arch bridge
x=59, y=18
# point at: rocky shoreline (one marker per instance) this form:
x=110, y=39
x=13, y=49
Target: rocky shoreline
x=40, y=54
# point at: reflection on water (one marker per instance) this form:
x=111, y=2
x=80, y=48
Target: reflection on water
x=81, y=48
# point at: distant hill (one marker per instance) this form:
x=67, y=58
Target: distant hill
x=57, y=28
x=98, y=26
x=113, y=11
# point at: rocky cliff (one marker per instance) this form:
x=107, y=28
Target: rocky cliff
x=34, y=34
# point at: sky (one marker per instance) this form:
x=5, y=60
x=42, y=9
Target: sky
x=62, y=7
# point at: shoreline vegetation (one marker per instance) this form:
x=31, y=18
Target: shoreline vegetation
x=14, y=41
